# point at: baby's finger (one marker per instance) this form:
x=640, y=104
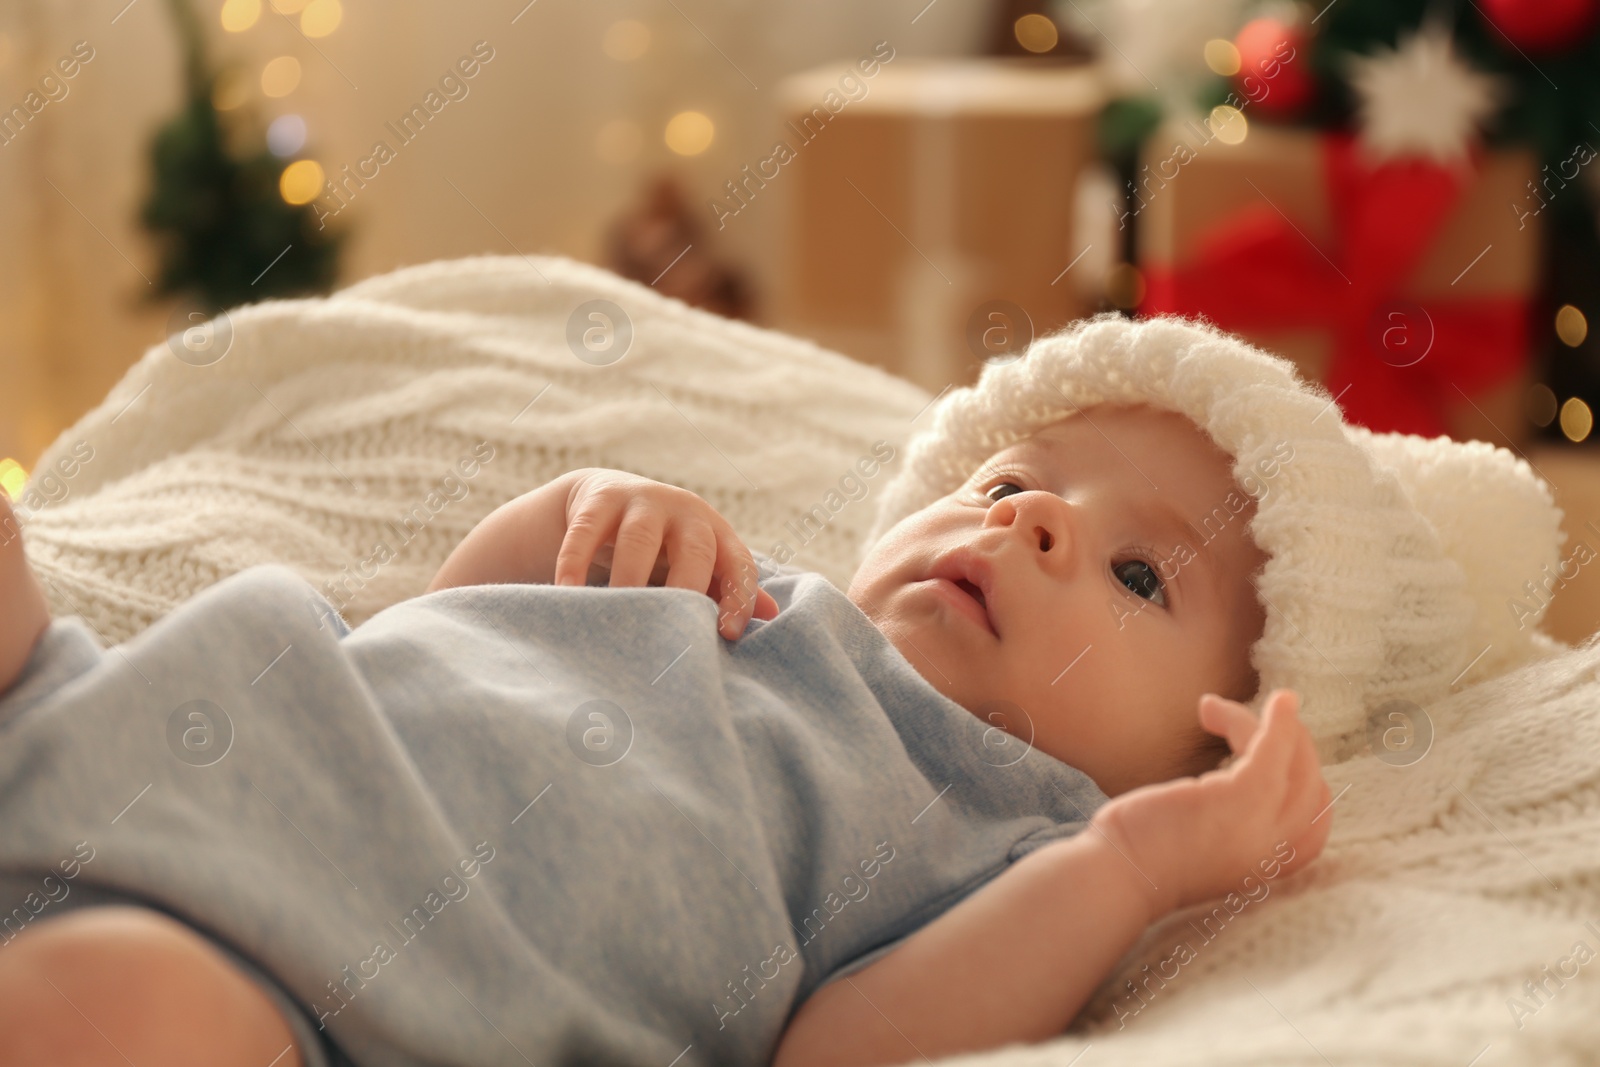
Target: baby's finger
x=738, y=593
x=586, y=532
x=637, y=546
x=1228, y=719
x=1265, y=763
x=692, y=545
x=732, y=628
x=1309, y=789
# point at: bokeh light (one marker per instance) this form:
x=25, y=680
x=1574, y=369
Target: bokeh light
x=1576, y=419
x=1541, y=403
x=240, y=15
x=619, y=141
x=1036, y=33
x=1571, y=326
x=280, y=76
x=626, y=40
x=689, y=133
x=1222, y=57
x=12, y=477
x=286, y=135
x=321, y=17
x=1229, y=124
x=301, y=181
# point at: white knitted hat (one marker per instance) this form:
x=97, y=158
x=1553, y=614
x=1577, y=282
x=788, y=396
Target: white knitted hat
x=1394, y=561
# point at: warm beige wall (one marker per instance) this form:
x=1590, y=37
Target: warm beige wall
x=68, y=322
x=521, y=145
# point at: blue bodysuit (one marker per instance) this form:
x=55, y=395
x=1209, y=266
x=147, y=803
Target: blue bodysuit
x=513, y=824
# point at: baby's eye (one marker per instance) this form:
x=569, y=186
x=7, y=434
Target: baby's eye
x=990, y=492
x=1142, y=582
x=1141, y=577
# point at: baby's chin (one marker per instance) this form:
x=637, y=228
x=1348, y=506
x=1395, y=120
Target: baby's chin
x=857, y=595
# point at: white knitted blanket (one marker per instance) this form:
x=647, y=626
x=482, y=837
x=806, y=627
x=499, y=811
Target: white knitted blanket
x=335, y=427
x=331, y=438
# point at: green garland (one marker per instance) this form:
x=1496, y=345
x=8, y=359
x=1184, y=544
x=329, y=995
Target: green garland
x=1553, y=97
x=1553, y=107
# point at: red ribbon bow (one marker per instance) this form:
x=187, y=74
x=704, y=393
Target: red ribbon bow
x=1396, y=363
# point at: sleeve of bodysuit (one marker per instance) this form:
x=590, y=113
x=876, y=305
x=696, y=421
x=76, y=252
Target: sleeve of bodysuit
x=850, y=967
x=69, y=647
x=316, y=1047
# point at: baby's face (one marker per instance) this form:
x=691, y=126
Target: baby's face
x=1118, y=567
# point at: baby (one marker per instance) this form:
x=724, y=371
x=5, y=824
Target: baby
x=939, y=808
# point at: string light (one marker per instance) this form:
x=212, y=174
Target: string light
x=301, y=181
x=12, y=477
x=279, y=77
x=286, y=135
x=1571, y=326
x=1229, y=124
x=1541, y=404
x=321, y=17
x=689, y=133
x=240, y=15
x=1222, y=57
x=1036, y=33
x=1576, y=419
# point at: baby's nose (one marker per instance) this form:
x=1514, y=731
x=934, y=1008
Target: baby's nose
x=1043, y=522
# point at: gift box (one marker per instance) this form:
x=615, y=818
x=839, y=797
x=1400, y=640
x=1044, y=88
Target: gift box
x=1403, y=287
x=931, y=209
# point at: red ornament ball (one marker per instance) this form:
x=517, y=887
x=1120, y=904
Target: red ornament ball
x=1274, y=67
x=1542, y=25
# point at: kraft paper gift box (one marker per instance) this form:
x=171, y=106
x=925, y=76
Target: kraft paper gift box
x=1404, y=288
x=931, y=207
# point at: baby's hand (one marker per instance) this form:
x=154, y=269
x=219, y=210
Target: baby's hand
x=1196, y=838
x=645, y=520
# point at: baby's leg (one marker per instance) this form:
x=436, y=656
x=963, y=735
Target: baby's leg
x=108, y=985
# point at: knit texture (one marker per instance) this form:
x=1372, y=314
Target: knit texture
x=1454, y=909
x=1365, y=602
x=330, y=437
x=1445, y=885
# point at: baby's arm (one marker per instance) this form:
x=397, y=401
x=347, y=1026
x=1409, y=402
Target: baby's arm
x=24, y=614
x=517, y=542
x=641, y=531
x=1018, y=959
x=1013, y=962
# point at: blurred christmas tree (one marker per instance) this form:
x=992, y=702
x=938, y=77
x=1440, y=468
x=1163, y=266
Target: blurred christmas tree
x=228, y=236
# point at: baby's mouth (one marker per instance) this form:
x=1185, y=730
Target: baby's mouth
x=971, y=572
x=973, y=591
